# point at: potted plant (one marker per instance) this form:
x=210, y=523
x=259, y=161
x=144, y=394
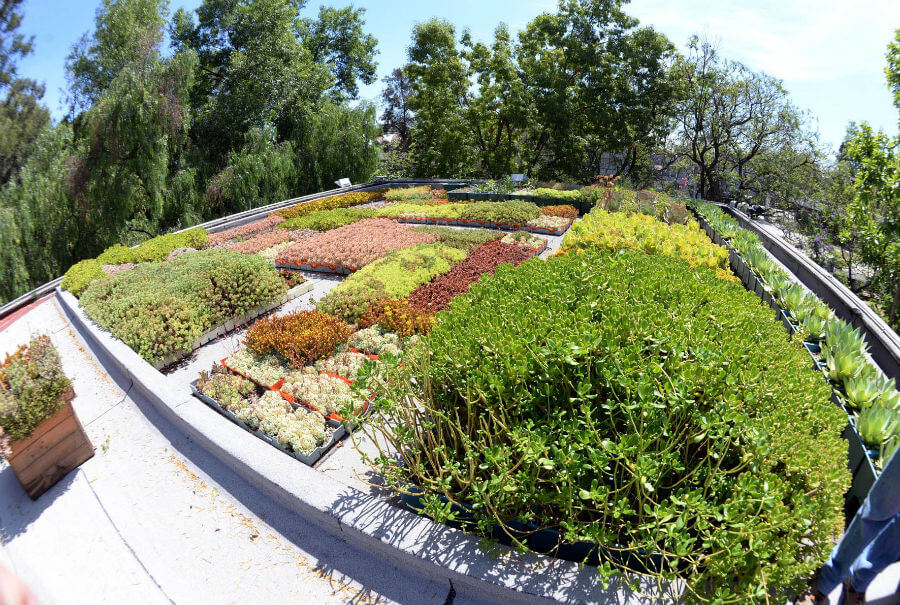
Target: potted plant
x=46, y=440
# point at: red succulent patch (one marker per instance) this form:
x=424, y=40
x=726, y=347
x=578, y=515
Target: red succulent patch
x=436, y=296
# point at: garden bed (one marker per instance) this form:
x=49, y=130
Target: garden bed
x=862, y=459
x=337, y=430
x=349, y=248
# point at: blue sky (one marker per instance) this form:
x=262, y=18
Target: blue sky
x=829, y=53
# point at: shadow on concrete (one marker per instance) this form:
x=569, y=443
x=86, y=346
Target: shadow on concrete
x=17, y=510
x=335, y=556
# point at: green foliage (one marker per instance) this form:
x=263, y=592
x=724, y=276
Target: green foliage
x=323, y=220
x=128, y=33
x=160, y=309
x=402, y=194
x=260, y=173
x=875, y=212
x=586, y=394
x=22, y=119
x=402, y=271
x=81, y=274
x=439, y=81
x=31, y=385
x=464, y=239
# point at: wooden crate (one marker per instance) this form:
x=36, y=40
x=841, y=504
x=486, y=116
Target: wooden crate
x=58, y=445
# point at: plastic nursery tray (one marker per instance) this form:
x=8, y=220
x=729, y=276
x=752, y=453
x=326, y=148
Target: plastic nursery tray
x=271, y=387
x=309, y=459
x=317, y=267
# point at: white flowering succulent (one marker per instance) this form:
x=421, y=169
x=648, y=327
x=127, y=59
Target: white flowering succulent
x=346, y=364
x=265, y=370
x=327, y=394
x=374, y=341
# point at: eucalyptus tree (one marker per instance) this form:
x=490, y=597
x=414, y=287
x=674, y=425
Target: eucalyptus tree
x=599, y=83
x=729, y=118
x=396, y=116
x=22, y=117
x=439, y=77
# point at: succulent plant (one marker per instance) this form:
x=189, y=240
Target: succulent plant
x=863, y=388
x=877, y=424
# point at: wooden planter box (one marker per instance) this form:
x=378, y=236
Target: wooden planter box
x=58, y=445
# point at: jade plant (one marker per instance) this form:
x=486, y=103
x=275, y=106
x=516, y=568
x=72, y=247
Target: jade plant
x=587, y=395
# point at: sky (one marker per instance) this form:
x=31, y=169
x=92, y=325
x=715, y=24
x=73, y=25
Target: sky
x=829, y=53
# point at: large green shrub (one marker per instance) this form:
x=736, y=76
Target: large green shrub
x=31, y=384
x=632, y=401
x=160, y=309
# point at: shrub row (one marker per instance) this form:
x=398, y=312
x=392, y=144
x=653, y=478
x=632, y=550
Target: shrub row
x=345, y=200
x=640, y=403
x=160, y=309
x=436, y=295
x=32, y=382
x=622, y=231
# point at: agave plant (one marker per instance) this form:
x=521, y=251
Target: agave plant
x=890, y=398
x=815, y=325
x=776, y=283
x=842, y=364
x=839, y=335
x=864, y=388
x=877, y=424
x=797, y=301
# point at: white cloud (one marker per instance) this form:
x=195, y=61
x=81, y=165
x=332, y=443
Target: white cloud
x=795, y=40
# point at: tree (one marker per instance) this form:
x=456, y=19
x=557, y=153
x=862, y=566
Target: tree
x=337, y=39
x=397, y=115
x=440, y=82
x=128, y=33
x=729, y=118
x=600, y=84
x=876, y=211
x=499, y=115
x=22, y=118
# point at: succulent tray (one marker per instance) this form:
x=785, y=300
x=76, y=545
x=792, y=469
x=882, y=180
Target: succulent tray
x=339, y=430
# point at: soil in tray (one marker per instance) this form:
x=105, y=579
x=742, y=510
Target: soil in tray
x=335, y=431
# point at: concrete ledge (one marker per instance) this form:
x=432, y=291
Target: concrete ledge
x=372, y=524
